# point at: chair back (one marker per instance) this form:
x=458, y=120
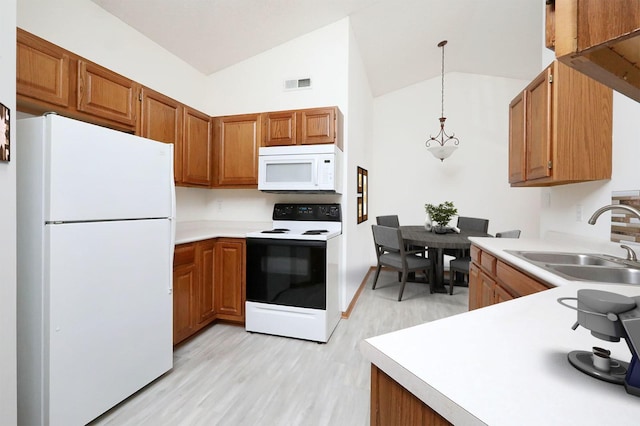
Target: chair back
x=473, y=224
x=391, y=221
x=387, y=239
x=514, y=233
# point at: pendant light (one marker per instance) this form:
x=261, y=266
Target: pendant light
x=438, y=144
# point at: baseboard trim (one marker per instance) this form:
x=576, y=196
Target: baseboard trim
x=352, y=305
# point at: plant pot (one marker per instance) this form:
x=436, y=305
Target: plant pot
x=439, y=229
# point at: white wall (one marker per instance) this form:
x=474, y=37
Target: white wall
x=360, y=153
x=8, y=391
x=405, y=176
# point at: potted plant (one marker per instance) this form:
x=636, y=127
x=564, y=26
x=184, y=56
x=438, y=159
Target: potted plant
x=441, y=215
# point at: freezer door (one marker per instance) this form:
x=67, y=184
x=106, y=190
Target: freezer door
x=95, y=173
x=110, y=314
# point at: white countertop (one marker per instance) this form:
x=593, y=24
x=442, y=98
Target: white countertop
x=187, y=232
x=506, y=364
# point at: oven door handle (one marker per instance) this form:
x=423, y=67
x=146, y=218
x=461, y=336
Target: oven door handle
x=286, y=242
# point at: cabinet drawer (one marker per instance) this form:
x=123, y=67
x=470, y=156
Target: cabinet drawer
x=488, y=262
x=475, y=254
x=184, y=254
x=516, y=282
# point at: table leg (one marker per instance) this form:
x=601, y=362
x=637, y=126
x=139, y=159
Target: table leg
x=437, y=256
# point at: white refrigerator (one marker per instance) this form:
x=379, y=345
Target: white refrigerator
x=96, y=233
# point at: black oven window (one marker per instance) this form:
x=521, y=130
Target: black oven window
x=291, y=273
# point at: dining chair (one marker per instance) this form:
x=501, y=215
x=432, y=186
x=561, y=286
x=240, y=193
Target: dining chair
x=391, y=221
x=466, y=223
x=391, y=253
x=514, y=233
x=461, y=264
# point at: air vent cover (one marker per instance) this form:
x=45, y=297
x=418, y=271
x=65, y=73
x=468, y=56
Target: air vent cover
x=295, y=84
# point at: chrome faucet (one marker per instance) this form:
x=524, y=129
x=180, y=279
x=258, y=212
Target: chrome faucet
x=597, y=213
x=631, y=255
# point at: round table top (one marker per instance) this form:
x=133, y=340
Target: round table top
x=419, y=236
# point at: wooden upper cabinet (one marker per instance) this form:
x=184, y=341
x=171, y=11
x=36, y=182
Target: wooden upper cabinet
x=105, y=94
x=197, y=152
x=317, y=126
x=538, y=160
x=600, y=39
x=42, y=70
x=517, y=115
x=567, y=129
x=280, y=128
x=302, y=127
x=161, y=120
x=236, y=142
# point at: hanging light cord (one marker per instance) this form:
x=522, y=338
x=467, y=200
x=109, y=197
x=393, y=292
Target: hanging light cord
x=442, y=77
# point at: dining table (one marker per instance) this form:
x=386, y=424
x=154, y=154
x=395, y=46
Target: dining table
x=435, y=244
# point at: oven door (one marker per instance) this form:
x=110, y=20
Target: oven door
x=287, y=272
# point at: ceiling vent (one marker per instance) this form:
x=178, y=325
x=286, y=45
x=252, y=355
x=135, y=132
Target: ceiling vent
x=296, y=84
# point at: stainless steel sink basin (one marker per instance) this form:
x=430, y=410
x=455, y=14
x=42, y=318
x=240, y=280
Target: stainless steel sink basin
x=601, y=274
x=566, y=258
x=584, y=266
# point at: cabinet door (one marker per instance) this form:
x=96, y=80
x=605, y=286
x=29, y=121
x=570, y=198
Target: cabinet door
x=197, y=153
x=185, y=286
x=487, y=287
x=105, y=94
x=317, y=126
x=162, y=121
x=517, y=131
x=475, y=291
x=538, y=130
x=230, y=279
x=280, y=128
x=42, y=70
x=206, y=268
x=501, y=295
x=237, y=139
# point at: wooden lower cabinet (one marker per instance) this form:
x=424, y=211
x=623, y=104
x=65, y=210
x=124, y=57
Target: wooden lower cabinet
x=393, y=405
x=208, y=284
x=493, y=281
x=207, y=269
x=185, y=286
x=230, y=270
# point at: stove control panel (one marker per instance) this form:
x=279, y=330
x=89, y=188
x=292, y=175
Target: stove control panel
x=312, y=212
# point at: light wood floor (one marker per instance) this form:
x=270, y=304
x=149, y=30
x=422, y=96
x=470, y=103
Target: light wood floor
x=227, y=376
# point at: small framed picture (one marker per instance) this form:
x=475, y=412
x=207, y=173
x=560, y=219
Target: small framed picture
x=363, y=196
x=5, y=120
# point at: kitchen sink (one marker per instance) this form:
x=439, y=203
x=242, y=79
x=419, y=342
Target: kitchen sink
x=621, y=275
x=567, y=258
x=584, y=266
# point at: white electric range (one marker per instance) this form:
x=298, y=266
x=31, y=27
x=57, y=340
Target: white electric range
x=293, y=273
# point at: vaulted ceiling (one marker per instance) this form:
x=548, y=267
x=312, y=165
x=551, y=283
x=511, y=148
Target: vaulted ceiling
x=397, y=38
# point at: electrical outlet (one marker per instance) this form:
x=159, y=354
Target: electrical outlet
x=579, y=213
x=219, y=204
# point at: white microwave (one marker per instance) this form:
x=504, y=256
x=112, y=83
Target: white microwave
x=300, y=168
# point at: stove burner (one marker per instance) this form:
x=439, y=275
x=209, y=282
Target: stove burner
x=276, y=231
x=315, y=232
